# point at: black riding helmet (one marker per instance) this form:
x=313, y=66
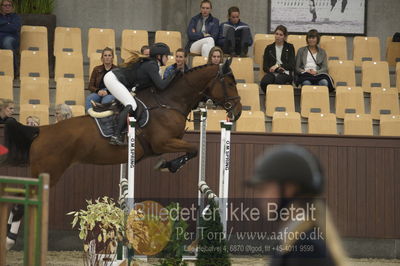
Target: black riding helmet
x=290, y=163
x=159, y=48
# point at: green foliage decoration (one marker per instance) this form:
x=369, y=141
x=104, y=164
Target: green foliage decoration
x=212, y=248
x=172, y=254
x=34, y=6
x=103, y=221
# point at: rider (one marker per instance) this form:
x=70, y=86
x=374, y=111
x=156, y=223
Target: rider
x=290, y=177
x=138, y=73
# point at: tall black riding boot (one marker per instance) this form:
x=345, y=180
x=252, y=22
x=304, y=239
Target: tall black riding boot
x=118, y=138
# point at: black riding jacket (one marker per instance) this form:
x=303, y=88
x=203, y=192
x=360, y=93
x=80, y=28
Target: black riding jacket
x=141, y=75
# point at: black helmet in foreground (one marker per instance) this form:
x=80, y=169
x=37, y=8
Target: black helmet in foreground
x=159, y=49
x=292, y=164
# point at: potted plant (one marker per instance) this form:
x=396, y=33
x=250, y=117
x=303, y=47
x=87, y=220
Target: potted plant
x=101, y=226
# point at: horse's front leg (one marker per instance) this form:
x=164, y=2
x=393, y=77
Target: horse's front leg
x=176, y=145
x=14, y=221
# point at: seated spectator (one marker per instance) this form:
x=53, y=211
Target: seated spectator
x=279, y=60
x=63, y=112
x=145, y=50
x=180, y=63
x=96, y=84
x=202, y=30
x=10, y=26
x=6, y=110
x=312, y=63
x=33, y=121
x=234, y=35
x=216, y=56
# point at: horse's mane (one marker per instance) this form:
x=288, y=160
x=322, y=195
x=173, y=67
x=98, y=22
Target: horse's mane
x=179, y=75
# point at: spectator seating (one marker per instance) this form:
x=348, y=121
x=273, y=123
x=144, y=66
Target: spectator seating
x=213, y=118
x=314, y=99
x=366, y=49
x=322, y=124
x=172, y=38
x=133, y=40
x=342, y=72
x=67, y=40
x=358, y=124
x=286, y=122
x=384, y=101
x=392, y=52
x=250, y=96
x=34, y=38
x=390, y=125
x=242, y=69
x=349, y=100
x=34, y=91
x=259, y=36
x=34, y=64
x=251, y=121
x=190, y=122
x=41, y=111
x=98, y=39
x=375, y=75
x=6, y=87
x=280, y=98
x=70, y=91
x=298, y=41
x=259, y=47
x=6, y=63
x=69, y=65
x=398, y=76
x=199, y=60
x=335, y=47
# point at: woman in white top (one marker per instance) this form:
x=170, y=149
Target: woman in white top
x=312, y=63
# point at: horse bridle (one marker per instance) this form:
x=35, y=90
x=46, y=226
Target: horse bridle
x=226, y=102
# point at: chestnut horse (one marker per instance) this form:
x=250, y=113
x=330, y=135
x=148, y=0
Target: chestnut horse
x=52, y=149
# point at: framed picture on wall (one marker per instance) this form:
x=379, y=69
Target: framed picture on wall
x=342, y=17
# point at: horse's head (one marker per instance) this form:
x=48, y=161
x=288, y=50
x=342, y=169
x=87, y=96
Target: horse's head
x=222, y=90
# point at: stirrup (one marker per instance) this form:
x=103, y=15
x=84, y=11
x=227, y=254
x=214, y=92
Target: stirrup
x=117, y=140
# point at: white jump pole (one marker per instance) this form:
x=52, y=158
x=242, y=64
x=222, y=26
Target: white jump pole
x=131, y=163
x=202, y=150
x=225, y=155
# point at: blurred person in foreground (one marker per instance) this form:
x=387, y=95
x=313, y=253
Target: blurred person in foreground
x=289, y=179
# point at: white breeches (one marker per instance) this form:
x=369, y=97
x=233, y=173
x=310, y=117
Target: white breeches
x=202, y=46
x=118, y=90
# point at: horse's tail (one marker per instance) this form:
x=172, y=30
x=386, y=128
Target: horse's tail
x=18, y=139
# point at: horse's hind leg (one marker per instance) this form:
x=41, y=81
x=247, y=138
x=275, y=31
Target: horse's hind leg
x=176, y=145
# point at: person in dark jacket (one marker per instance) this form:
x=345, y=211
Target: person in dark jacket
x=180, y=64
x=99, y=92
x=10, y=27
x=202, y=31
x=289, y=180
x=279, y=60
x=140, y=72
x=6, y=110
x=234, y=35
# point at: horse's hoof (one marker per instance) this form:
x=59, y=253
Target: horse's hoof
x=9, y=243
x=161, y=165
